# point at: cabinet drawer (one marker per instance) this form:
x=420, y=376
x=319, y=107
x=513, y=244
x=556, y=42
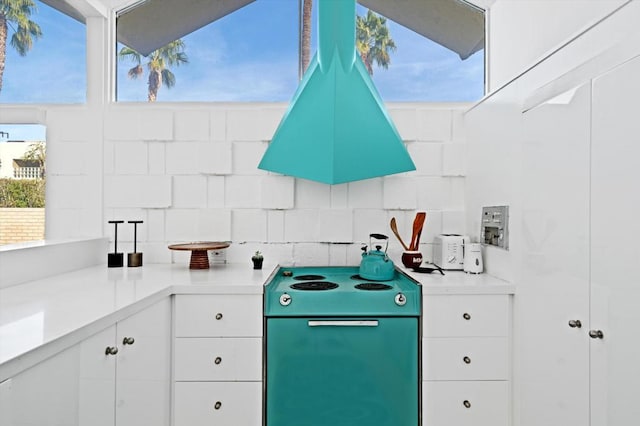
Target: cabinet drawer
x=218, y=403
x=469, y=358
x=466, y=315
x=218, y=359
x=218, y=316
x=465, y=403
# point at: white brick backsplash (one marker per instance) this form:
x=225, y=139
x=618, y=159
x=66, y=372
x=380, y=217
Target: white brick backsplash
x=66, y=191
x=125, y=230
x=301, y=225
x=243, y=191
x=338, y=254
x=215, y=191
x=218, y=125
x=277, y=192
x=269, y=120
x=340, y=196
x=456, y=193
x=458, y=129
x=68, y=158
x=434, y=124
x=249, y=225
x=156, y=253
x=156, y=125
x=405, y=120
x=192, y=125
x=369, y=221
x=181, y=158
x=399, y=193
x=189, y=191
x=185, y=225
x=243, y=125
x=453, y=222
x=108, y=161
x=131, y=158
x=137, y=191
x=432, y=227
x=311, y=195
x=121, y=124
x=427, y=156
x=247, y=156
x=354, y=254
x=214, y=158
x=432, y=193
x=156, y=154
x=275, y=226
x=155, y=225
x=366, y=194
x=453, y=159
x=335, y=226
x=311, y=254
x=73, y=125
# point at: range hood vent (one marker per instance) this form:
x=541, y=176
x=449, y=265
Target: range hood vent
x=336, y=128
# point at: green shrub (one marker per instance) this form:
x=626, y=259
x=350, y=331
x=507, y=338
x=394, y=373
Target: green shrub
x=22, y=192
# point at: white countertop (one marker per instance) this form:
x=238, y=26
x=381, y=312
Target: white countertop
x=43, y=317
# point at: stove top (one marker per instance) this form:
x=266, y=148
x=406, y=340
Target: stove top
x=339, y=291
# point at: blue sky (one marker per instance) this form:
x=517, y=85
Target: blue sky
x=250, y=55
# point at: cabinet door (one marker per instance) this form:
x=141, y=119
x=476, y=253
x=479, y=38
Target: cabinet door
x=553, y=288
x=143, y=367
x=615, y=252
x=74, y=388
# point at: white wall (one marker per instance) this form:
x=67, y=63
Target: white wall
x=522, y=32
x=190, y=173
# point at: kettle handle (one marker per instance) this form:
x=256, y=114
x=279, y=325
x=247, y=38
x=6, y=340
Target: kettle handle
x=378, y=236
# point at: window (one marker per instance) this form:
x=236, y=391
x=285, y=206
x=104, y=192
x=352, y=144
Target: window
x=53, y=69
x=252, y=54
x=22, y=183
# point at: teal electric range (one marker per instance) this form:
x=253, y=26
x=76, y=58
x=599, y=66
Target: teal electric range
x=341, y=350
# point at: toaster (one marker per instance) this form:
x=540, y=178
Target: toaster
x=448, y=251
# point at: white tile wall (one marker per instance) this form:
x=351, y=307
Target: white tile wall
x=190, y=172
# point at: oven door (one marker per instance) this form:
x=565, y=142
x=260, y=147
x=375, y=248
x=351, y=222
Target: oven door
x=342, y=371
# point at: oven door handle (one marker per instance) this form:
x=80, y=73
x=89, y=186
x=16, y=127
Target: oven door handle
x=344, y=323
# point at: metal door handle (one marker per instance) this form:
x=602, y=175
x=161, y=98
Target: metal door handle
x=111, y=350
x=218, y=360
x=128, y=341
x=219, y=316
x=466, y=403
x=466, y=316
x=342, y=323
x=575, y=324
x=466, y=360
x=596, y=334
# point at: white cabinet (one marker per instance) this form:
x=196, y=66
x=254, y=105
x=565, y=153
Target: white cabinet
x=466, y=360
x=85, y=386
x=218, y=360
x=615, y=252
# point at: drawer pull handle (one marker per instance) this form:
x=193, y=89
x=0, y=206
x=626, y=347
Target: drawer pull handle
x=466, y=316
x=218, y=360
x=575, y=324
x=466, y=360
x=111, y=350
x=128, y=341
x=466, y=403
x=596, y=334
x=218, y=316
x=217, y=405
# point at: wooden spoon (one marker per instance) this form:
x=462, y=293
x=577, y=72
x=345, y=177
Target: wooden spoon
x=418, y=223
x=394, y=228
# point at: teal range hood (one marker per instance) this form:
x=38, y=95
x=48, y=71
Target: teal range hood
x=336, y=128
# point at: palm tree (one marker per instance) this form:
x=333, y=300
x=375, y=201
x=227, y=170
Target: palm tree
x=307, y=6
x=14, y=15
x=374, y=41
x=158, y=65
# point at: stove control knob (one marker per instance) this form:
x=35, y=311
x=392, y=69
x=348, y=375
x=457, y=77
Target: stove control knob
x=285, y=299
x=400, y=299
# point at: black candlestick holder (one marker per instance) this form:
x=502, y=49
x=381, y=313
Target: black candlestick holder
x=115, y=259
x=134, y=259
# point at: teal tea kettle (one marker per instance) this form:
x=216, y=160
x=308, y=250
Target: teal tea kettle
x=375, y=264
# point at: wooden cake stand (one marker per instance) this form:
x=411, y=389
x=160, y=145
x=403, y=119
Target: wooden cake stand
x=199, y=256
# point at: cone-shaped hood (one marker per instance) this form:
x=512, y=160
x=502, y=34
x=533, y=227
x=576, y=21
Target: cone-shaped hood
x=336, y=129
